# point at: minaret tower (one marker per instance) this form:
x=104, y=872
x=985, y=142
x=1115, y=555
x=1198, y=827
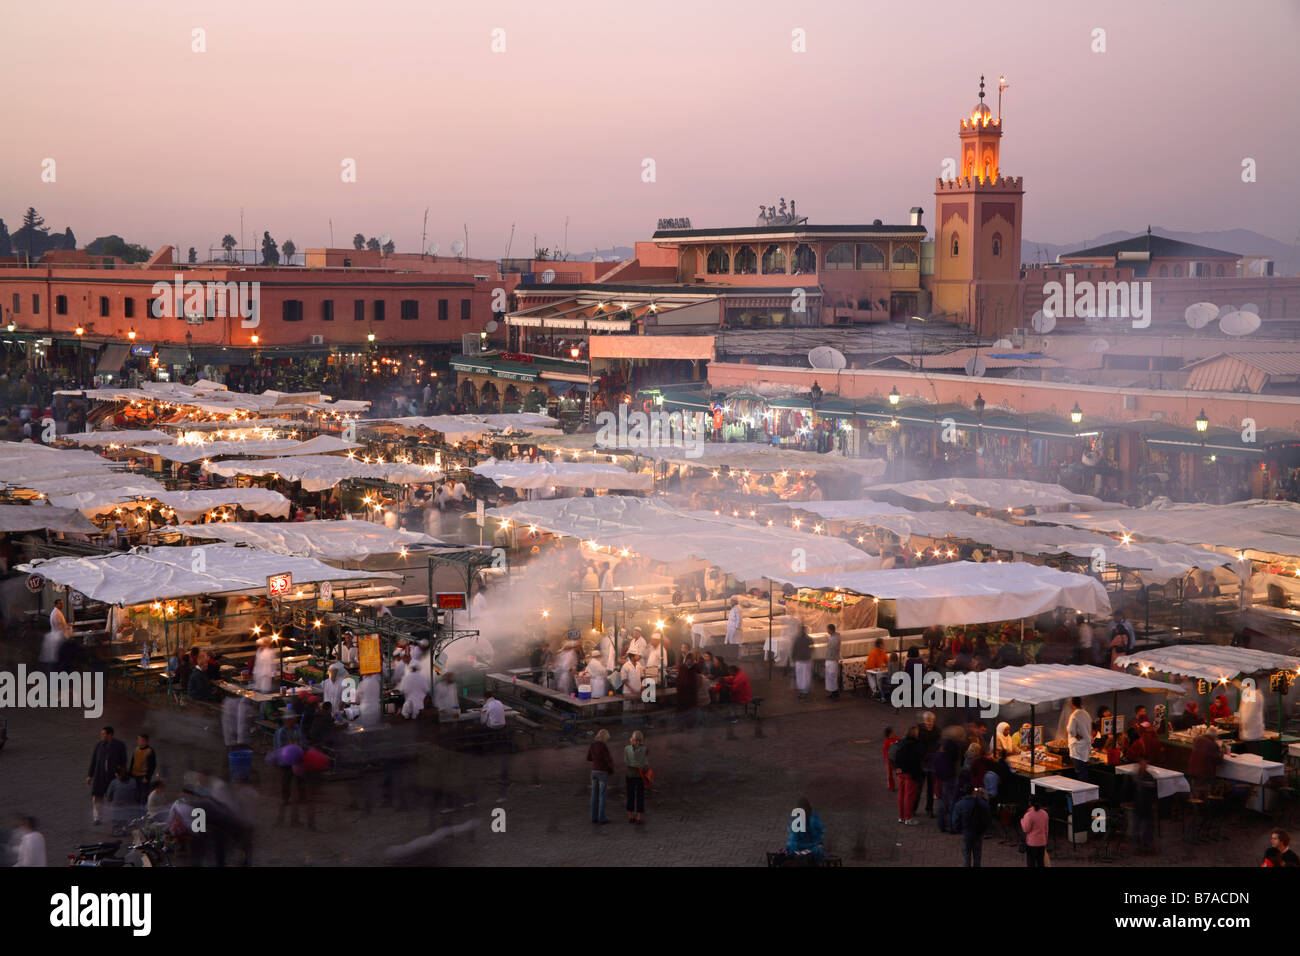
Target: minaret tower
x=977, y=231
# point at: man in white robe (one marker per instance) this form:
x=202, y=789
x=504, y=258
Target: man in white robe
x=445, y=700
x=332, y=686
x=566, y=663
x=734, y=625
x=368, y=702
x=605, y=651
x=637, y=645
x=832, y=662
x=265, y=666
x=414, y=688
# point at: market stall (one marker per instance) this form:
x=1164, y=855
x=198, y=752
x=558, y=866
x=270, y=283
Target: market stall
x=542, y=475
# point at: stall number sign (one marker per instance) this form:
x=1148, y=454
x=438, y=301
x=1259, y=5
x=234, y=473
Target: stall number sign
x=368, y=654
x=35, y=582
x=454, y=601
x=478, y=514
x=325, y=599
x=278, y=585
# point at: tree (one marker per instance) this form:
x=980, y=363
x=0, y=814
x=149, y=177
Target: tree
x=34, y=235
x=287, y=249
x=69, y=240
x=6, y=247
x=389, y=247
x=358, y=242
x=114, y=245
x=194, y=255
x=270, y=254
x=372, y=244
x=228, y=243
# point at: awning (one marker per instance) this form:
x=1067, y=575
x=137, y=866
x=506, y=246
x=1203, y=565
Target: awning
x=112, y=358
x=1208, y=662
x=222, y=357
x=173, y=356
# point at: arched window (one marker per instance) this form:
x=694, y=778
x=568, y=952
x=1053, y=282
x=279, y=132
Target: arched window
x=869, y=256
x=1178, y=272
x=805, y=260
x=1164, y=271
x=746, y=261
x=905, y=258
x=773, y=260
x=719, y=263
x=840, y=256
x=1218, y=270
x=956, y=247
x=997, y=244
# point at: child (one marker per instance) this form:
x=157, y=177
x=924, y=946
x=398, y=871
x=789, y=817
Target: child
x=890, y=740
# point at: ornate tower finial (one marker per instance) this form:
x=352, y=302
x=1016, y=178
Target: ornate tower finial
x=981, y=87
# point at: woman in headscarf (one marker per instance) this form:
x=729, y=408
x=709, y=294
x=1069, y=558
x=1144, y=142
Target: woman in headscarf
x=1001, y=745
x=1220, y=710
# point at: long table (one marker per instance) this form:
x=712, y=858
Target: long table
x=1079, y=792
x=1168, y=782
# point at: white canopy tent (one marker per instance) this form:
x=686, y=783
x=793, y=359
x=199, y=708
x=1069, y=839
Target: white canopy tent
x=325, y=540
x=19, y=518
x=1209, y=662
x=190, y=452
x=473, y=427
x=121, y=439
x=1037, y=684
x=320, y=472
x=755, y=457
x=94, y=494
x=996, y=493
x=967, y=593
x=562, y=474
x=156, y=574
x=211, y=398
x=1156, y=563
x=23, y=463
x=651, y=528
x=1263, y=527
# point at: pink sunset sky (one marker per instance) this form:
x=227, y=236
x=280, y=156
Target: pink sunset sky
x=164, y=145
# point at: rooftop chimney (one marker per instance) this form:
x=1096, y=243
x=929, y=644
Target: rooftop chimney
x=916, y=215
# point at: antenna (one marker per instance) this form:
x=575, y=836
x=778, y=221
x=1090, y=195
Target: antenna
x=331, y=222
x=510, y=241
x=424, y=231
x=566, y=237
x=466, y=240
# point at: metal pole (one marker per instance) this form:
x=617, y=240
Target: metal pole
x=771, y=644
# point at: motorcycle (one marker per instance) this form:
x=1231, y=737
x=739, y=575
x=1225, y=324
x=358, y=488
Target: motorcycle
x=149, y=847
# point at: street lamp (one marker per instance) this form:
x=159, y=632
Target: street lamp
x=894, y=396
x=978, y=405
x=1076, y=414
x=131, y=335
x=1202, y=423
x=81, y=365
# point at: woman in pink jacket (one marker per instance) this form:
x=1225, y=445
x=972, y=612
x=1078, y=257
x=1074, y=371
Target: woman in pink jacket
x=1034, y=823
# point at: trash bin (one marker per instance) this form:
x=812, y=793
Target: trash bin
x=241, y=765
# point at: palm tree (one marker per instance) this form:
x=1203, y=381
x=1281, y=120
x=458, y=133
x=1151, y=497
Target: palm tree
x=288, y=248
x=228, y=243
x=358, y=241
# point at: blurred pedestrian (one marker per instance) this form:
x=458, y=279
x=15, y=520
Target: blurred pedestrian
x=636, y=761
x=602, y=765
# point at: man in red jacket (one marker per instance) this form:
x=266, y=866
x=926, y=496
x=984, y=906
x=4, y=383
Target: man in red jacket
x=738, y=686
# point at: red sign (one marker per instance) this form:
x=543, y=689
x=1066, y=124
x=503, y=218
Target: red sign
x=278, y=585
x=453, y=601
x=35, y=582
x=517, y=357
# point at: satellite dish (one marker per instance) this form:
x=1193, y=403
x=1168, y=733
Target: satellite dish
x=491, y=326
x=823, y=356
x=1250, y=307
x=1224, y=310
x=458, y=247
x=976, y=367
x=1098, y=345
x=1042, y=323
x=1201, y=314
x=433, y=249
x=1004, y=344
x=1239, y=323
x=548, y=276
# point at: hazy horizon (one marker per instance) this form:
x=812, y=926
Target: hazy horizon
x=164, y=145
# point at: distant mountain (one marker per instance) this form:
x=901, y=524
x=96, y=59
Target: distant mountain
x=1286, y=260
x=604, y=255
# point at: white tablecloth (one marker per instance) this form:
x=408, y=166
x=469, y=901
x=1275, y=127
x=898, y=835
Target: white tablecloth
x=1079, y=791
x=1249, y=768
x=1168, y=782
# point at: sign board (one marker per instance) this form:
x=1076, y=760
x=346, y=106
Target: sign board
x=77, y=599
x=278, y=585
x=450, y=601
x=325, y=597
x=678, y=222
x=142, y=350
x=1108, y=725
x=1119, y=724
x=35, y=582
x=368, y=657
x=478, y=512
